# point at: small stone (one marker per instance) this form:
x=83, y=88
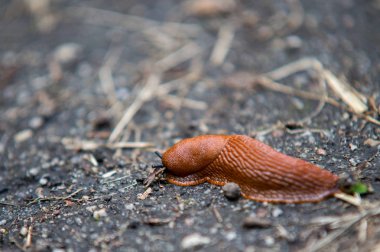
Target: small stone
x=230, y=235
x=269, y=241
x=23, y=135
x=276, y=212
x=34, y=171
x=130, y=207
x=293, y=42
x=43, y=181
x=99, y=214
x=255, y=222
x=67, y=53
x=231, y=191
x=24, y=231
x=352, y=146
x=194, y=241
x=353, y=161
x=3, y=222
x=36, y=122
x=78, y=221
x=321, y=152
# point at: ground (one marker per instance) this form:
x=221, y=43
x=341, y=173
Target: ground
x=81, y=79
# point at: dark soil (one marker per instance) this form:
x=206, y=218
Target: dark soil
x=56, y=198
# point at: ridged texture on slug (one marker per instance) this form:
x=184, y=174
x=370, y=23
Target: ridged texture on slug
x=262, y=173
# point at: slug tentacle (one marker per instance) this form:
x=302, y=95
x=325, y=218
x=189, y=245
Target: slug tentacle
x=262, y=173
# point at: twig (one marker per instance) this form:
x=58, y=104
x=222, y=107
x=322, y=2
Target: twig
x=184, y=102
x=55, y=198
x=217, y=214
x=356, y=201
x=275, y=86
x=117, y=179
x=351, y=97
x=7, y=204
x=145, y=94
x=183, y=54
x=80, y=144
x=106, y=78
x=223, y=44
x=130, y=22
x=148, y=92
x=343, y=229
x=153, y=175
x=342, y=89
x=28, y=241
x=298, y=131
x=294, y=67
x=362, y=232
x=145, y=194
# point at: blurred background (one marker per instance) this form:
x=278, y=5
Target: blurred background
x=77, y=64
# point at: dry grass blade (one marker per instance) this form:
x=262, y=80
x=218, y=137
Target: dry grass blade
x=356, y=102
x=222, y=45
x=184, y=102
x=294, y=67
x=106, y=78
x=79, y=144
x=185, y=53
x=28, y=241
x=129, y=22
x=353, y=200
x=345, y=92
x=149, y=90
x=275, y=86
x=145, y=94
x=342, y=228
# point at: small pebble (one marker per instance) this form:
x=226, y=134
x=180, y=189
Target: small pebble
x=194, y=241
x=293, y=42
x=36, y=122
x=43, y=181
x=24, y=231
x=321, y=152
x=230, y=235
x=23, y=135
x=34, y=171
x=255, y=222
x=276, y=212
x=231, y=191
x=99, y=214
x=269, y=241
x=353, y=146
x=67, y=53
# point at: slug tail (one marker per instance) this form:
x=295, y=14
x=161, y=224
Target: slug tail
x=273, y=196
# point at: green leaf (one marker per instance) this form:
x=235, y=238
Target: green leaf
x=359, y=188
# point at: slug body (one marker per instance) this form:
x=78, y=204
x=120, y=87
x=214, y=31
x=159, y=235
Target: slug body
x=262, y=173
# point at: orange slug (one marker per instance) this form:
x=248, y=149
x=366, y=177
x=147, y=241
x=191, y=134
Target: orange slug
x=262, y=173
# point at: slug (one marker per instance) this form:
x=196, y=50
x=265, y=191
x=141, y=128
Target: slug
x=262, y=173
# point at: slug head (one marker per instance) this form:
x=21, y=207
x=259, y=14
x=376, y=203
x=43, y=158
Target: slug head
x=193, y=154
